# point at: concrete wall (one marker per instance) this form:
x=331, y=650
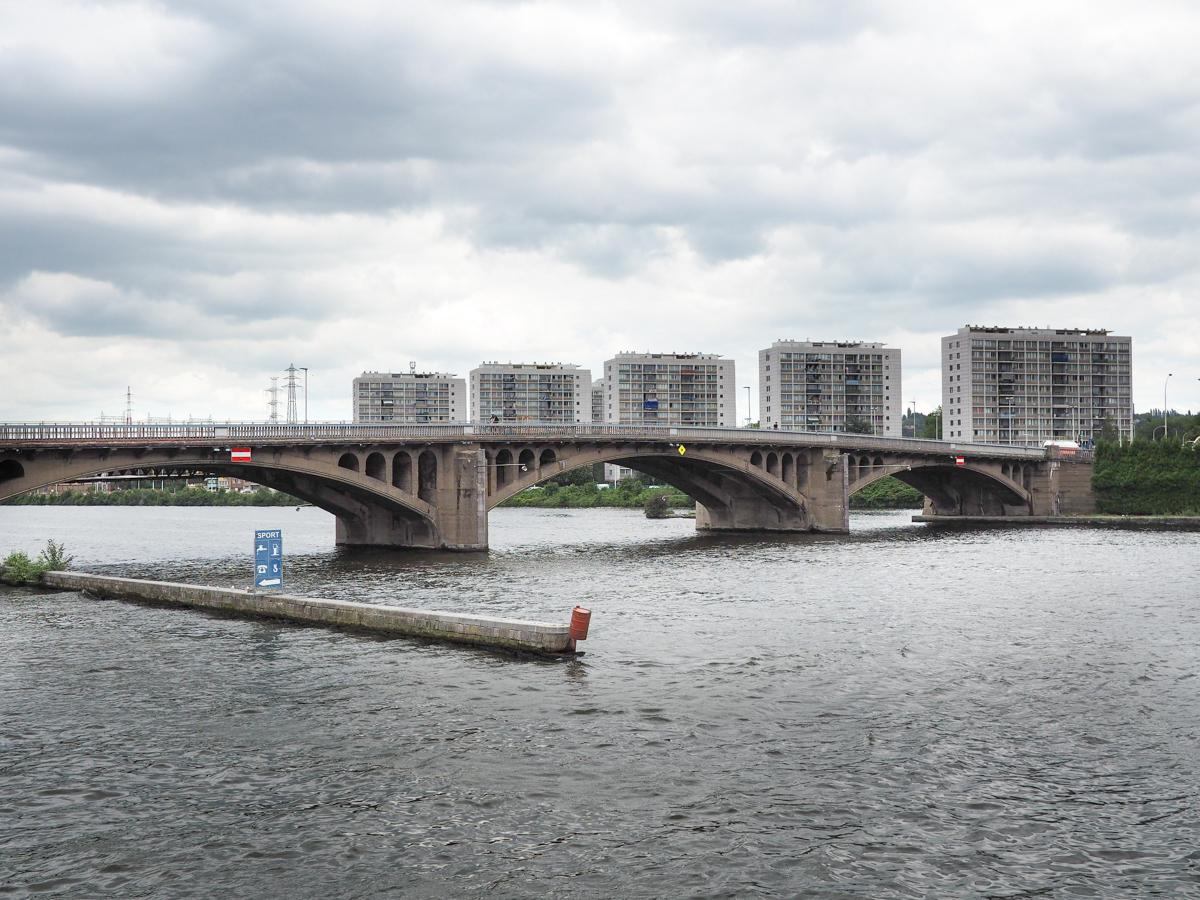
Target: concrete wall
x=511, y=634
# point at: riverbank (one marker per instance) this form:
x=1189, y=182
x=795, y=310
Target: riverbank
x=156, y=497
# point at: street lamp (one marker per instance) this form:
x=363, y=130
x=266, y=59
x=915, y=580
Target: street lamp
x=304, y=369
x=914, y=418
x=747, y=387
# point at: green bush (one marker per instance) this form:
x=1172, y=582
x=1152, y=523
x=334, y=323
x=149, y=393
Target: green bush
x=631, y=493
x=887, y=493
x=18, y=568
x=1146, y=478
x=658, y=506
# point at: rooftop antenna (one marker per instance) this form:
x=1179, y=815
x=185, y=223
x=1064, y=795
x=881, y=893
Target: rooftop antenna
x=291, y=382
x=412, y=366
x=128, y=405
x=273, y=403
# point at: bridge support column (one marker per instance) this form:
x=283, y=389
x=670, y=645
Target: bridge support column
x=738, y=507
x=376, y=526
x=829, y=489
x=459, y=502
x=1062, y=488
x=461, y=505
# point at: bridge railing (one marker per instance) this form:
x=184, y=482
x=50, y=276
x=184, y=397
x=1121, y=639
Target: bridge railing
x=231, y=433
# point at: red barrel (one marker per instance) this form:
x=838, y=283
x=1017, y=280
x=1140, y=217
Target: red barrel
x=580, y=619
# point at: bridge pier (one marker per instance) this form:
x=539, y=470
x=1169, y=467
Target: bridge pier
x=459, y=495
x=826, y=509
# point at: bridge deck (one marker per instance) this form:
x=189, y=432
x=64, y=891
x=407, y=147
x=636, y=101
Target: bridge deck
x=80, y=435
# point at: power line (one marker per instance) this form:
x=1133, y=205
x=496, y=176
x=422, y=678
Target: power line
x=273, y=403
x=291, y=381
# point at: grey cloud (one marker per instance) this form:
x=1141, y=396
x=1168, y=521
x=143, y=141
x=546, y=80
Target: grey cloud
x=824, y=170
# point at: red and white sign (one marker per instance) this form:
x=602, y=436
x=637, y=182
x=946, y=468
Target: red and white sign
x=239, y=454
x=958, y=460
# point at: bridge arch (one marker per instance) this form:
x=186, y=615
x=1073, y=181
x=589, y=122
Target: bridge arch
x=376, y=466
x=402, y=471
x=503, y=467
x=427, y=475
x=952, y=490
x=364, y=505
x=731, y=494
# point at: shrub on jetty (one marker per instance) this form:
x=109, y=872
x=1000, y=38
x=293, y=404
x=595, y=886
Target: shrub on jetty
x=18, y=568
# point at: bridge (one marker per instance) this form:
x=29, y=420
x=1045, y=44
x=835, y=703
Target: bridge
x=432, y=486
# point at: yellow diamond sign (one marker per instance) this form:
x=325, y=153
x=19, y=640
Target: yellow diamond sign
x=682, y=450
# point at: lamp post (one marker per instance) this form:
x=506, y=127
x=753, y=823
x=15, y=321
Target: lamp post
x=748, y=419
x=914, y=418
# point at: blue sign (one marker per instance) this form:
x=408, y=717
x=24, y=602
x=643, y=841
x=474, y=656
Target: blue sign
x=649, y=404
x=268, y=559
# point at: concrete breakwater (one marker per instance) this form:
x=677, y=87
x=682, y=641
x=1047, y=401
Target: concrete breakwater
x=483, y=631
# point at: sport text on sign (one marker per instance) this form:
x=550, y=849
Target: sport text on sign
x=268, y=559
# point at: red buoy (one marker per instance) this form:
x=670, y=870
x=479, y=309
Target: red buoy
x=580, y=619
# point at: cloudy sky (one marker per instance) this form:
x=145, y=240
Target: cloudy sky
x=194, y=194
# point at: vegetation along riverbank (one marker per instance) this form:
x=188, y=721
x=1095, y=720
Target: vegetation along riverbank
x=1145, y=478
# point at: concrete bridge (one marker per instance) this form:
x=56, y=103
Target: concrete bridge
x=432, y=486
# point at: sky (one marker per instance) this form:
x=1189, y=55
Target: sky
x=195, y=194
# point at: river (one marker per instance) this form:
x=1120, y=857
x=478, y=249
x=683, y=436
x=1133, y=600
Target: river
x=903, y=712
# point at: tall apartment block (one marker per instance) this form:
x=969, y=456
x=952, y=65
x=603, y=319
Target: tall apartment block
x=1031, y=385
x=598, y=387
x=695, y=389
x=830, y=386
x=409, y=397
x=531, y=392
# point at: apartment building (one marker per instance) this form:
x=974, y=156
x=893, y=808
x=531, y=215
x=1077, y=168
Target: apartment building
x=1031, y=385
x=409, y=397
x=830, y=386
x=689, y=389
x=598, y=387
x=551, y=393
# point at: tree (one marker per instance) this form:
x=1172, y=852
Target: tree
x=912, y=423
x=658, y=506
x=1108, y=431
x=581, y=476
x=858, y=425
x=933, y=424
